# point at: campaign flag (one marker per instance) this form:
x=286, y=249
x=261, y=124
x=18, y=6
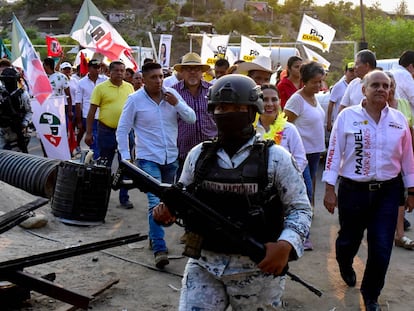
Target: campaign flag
x=316, y=33
x=164, y=51
x=94, y=32
x=313, y=56
x=4, y=51
x=54, y=49
x=129, y=61
x=213, y=48
x=83, y=66
x=250, y=49
x=50, y=122
x=231, y=57
x=25, y=56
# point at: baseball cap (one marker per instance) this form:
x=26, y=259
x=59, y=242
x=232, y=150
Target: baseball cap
x=350, y=65
x=65, y=65
x=94, y=63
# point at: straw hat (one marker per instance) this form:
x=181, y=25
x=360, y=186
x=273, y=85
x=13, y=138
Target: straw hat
x=191, y=59
x=262, y=63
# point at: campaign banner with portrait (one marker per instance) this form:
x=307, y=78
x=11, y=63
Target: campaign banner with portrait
x=164, y=51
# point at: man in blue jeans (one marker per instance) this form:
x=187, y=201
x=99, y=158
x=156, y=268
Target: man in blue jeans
x=109, y=96
x=153, y=113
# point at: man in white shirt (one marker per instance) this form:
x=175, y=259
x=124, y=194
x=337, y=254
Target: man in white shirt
x=370, y=151
x=403, y=75
x=337, y=92
x=153, y=112
x=82, y=102
x=365, y=62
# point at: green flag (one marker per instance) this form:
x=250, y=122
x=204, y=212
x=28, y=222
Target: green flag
x=4, y=51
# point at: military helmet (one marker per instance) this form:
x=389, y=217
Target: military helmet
x=235, y=89
x=9, y=73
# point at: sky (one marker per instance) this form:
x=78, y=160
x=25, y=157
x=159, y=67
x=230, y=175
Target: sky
x=386, y=5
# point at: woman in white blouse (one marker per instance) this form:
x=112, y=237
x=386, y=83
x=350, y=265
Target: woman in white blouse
x=304, y=110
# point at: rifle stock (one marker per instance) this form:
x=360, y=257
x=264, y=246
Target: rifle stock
x=179, y=202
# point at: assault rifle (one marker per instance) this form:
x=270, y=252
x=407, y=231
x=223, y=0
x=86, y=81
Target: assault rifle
x=180, y=203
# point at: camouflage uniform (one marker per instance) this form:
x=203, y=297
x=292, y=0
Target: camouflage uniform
x=217, y=280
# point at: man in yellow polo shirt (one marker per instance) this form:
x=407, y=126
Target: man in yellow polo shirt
x=110, y=97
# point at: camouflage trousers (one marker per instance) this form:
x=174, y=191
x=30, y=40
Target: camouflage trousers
x=245, y=291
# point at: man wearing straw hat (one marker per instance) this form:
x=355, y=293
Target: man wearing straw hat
x=260, y=69
x=194, y=91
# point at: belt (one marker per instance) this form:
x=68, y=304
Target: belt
x=373, y=185
x=106, y=126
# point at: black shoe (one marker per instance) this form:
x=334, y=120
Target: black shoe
x=407, y=224
x=348, y=275
x=372, y=305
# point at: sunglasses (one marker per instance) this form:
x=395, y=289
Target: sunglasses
x=191, y=68
x=272, y=99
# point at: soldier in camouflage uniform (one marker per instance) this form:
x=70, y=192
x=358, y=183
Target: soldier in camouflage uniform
x=254, y=183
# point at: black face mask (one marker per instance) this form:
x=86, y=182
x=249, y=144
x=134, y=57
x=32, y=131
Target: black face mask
x=10, y=85
x=234, y=129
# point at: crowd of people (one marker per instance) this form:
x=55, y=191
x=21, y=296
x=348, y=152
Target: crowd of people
x=251, y=150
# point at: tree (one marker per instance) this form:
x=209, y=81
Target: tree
x=387, y=37
x=239, y=21
x=402, y=9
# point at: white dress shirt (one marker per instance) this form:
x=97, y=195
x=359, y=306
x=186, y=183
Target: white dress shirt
x=84, y=91
x=155, y=126
x=404, y=84
x=363, y=150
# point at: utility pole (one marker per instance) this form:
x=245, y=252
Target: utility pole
x=362, y=44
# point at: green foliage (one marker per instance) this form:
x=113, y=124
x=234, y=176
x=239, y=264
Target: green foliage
x=215, y=6
x=385, y=36
x=168, y=14
x=32, y=33
x=187, y=9
x=294, y=6
x=341, y=16
x=240, y=22
x=65, y=18
x=162, y=3
x=76, y=3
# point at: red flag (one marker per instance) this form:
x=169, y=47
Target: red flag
x=83, y=65
x=71, y=137
x=54, y=49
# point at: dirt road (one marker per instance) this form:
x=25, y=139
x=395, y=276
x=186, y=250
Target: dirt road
x=143, y=289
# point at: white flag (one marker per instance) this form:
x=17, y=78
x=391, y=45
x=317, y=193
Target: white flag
x=311, y=55
x=164, y=52
x=316, y=33
x=50, y=122
x=250, y=49
x=213, y=48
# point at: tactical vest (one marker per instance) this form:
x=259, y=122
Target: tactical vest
x=244, y=195
x=12, y=110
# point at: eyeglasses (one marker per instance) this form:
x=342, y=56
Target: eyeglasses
x=192, y=68
x=272, y=99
